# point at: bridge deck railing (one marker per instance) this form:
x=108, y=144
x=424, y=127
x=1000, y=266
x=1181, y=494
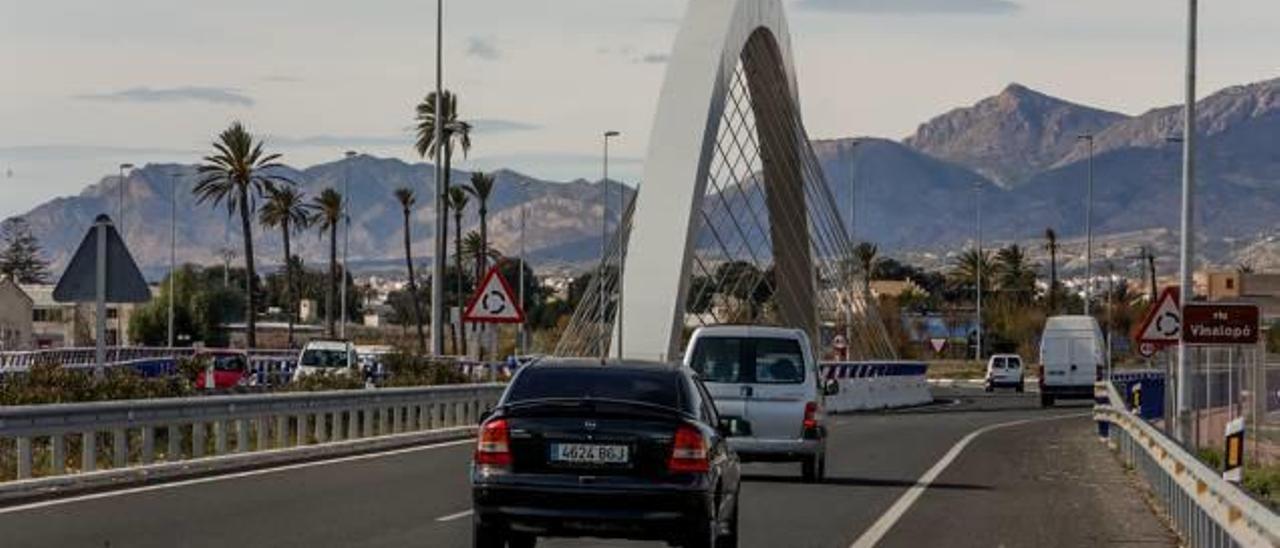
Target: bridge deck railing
x=43, y=442
x=1203, y=507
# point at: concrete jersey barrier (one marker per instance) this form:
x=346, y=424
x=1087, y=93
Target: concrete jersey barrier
x=876, y=385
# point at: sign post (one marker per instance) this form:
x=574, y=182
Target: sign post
x=102, y=271
x=494, y=302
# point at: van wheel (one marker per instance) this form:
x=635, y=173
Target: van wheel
x=484, y=536
x=515, y=540
x=1046, y=400
x=1021, y=388
x=814, y=469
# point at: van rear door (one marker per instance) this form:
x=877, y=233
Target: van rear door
x=1084, y=356
x=783, y=385
x=721, y=364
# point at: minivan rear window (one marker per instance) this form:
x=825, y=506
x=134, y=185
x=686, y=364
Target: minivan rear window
x=749, y=360
x=653, y=387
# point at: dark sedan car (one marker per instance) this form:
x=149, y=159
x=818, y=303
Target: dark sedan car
x=621, y=450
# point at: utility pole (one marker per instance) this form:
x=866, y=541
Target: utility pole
x=1111, y=301
x=441, y=253
x=1088, y=230
x=1187, y=259
x=346, y=243
x=520, y=347
x=979, y=263
x=173, y=251
x=604, y=241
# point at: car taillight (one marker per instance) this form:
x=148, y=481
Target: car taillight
x=811, y=416
x=493, y=446
x=689, y=451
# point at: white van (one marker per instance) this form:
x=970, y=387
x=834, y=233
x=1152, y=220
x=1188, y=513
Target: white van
x=1004, y=371
x=764, y=379
x=1071, y=358
x=327, y=358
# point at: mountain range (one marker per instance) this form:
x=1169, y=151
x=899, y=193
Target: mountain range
x=915, y=195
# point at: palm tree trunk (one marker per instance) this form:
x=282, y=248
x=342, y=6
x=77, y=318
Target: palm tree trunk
x=482, y=266
x=1053, y=278
x=457, y=258
x=291, y=307
x=329, y=297
x=251, y=323
x=413, y=286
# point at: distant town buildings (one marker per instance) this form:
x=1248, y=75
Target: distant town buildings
x=15, y=316
x=1261, y=289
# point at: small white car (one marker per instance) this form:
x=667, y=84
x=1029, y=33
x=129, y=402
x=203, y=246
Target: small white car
x=1004, y=371
x=765, y=380
x=327, y=358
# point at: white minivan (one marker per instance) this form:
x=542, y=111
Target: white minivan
x=1071, y=358
x=327, y=358
x=765, y=381
x=1004, y=371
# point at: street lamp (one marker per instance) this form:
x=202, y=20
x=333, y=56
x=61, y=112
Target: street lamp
x=346, y=242
x=441, y=253
x=1188, y=207
x=604, y=229
x=979, y=263
x=1088, y=229
x=120, y=205
x=524, y=208
x=173, y=249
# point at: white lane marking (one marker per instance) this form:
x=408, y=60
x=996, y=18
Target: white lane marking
x=452, y=517
x=224, y=477
x=873, y=535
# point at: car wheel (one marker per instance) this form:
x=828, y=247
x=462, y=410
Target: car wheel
x=1021, y=388
x=1046, y=400
x=704, y=537
x=730, y=539
x=516, y=540
x=485, y=536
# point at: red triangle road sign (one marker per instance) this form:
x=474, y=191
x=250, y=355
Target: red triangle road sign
x=494, y=302
x=1163, y=324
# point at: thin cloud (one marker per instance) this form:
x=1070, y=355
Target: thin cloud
x=912, y=7
x=483, y=48
x=281, y=79
x=215, y=95
x=495, y=125
x=653, y=58
x=341, y=141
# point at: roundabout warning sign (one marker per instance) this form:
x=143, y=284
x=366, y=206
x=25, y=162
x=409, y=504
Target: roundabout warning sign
x=494, y=302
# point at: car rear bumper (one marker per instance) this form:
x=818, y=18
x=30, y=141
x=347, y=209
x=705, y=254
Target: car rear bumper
x=1004, y=382
x=631, y=513
x=1068, y=391
x=766, y=450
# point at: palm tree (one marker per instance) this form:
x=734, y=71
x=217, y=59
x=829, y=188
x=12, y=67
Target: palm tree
x=1051, y=244
x=866, y=255
x=458, y=202
x=285, y=209
x=455, y=134
x=473, y=246
x=1014, y=274
x=238, y=174
x=964, y=271
x=328, y=215
x=407, y=200
x=481, y=188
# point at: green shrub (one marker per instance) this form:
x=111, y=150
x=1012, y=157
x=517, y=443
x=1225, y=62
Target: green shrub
x=405, y=370
x=324, y=380
x=48, y=383
x=1210, y=457
x=1264, y=481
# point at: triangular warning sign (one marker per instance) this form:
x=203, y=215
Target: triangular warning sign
x=1163, y=325
x=494, y=302
x=124, y=283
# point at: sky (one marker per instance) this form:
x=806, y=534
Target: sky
x=86, y=85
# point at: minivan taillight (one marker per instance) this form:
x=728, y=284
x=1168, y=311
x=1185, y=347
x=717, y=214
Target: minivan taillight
x=810, y=416
x=689, y=451
x=493, y=446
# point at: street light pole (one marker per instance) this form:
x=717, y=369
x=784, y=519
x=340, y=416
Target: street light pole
x=1188, y=193
x=604, y=246
x=346, y=243
x=524, y=207
x=979, y=263
x=441, y=254
x=173, y=250
x=120, y=205
x=1088, y=230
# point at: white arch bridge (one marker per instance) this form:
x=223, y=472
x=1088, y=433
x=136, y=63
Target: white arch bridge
x=735, y=223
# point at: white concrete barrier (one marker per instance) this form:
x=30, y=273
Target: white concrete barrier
x=876, y=385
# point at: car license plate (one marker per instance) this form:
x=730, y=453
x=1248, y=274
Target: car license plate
x=588, y=453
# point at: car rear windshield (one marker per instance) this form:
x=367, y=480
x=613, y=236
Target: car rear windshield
x=325, y=358
x=652, y=387
x=749, y=360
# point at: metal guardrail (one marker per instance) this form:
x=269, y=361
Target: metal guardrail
x=1204, y=508
x=141, y=433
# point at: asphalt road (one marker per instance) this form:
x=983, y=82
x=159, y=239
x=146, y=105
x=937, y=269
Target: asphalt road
x=1044, y=482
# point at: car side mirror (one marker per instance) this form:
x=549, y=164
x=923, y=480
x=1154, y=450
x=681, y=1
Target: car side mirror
x=831, y=387
x=733, y=427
